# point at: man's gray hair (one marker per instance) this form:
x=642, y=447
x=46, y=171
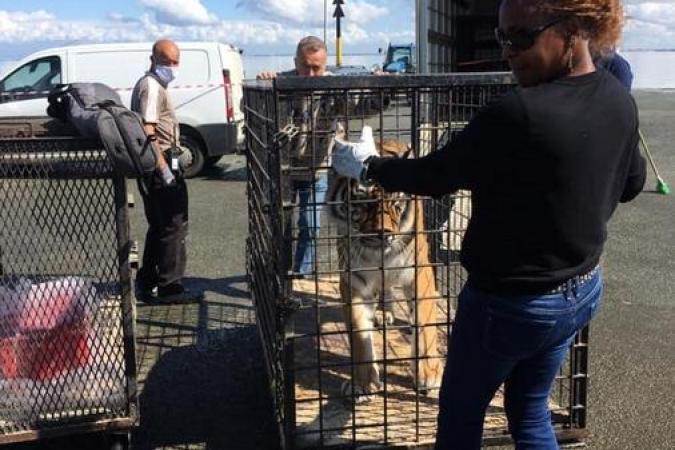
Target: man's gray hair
x=310, y=44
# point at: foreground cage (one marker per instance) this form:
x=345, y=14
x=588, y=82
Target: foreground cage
x=355, y=289
x=67, y=362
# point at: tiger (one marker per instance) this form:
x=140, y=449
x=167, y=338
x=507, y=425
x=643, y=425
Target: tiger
x=382, y=221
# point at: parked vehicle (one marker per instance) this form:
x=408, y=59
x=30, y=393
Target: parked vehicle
x=206, y=94
x=400, y=59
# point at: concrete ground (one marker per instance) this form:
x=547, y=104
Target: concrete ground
x=633, y=339
x=201, y=369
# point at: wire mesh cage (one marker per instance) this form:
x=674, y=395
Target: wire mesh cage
x=355, y=289
x=67, y=361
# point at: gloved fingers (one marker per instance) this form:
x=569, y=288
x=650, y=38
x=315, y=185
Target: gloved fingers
x=367, y=134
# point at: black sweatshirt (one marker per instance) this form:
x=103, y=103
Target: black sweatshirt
x=547, y=166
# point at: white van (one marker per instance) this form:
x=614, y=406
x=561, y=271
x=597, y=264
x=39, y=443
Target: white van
x=207, y=92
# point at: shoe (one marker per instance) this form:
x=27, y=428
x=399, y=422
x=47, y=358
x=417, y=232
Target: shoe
x=176, y=293
x=144, y=291
x=147, y=295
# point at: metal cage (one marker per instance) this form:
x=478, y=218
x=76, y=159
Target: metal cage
x=67, y=362
x=354, y=337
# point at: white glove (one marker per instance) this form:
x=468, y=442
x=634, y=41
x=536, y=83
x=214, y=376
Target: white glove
x=348, y=157
x=167, y=176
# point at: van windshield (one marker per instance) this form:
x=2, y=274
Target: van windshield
x=38, y=75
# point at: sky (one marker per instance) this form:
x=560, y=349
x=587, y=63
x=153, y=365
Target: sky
x=257, y=26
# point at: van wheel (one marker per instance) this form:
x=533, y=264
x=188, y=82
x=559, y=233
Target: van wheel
x=192, y=160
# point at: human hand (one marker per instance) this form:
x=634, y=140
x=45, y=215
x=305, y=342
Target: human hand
x=269, y=75
x=167, y=176
x=348, y=157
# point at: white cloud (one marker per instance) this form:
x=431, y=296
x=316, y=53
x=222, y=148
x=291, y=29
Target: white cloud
x=646, y=35
x=662, y=13
x=282, y=23
x=43, y=26
x=180, y=12
x=5, y=65
x=650, y=24
x=311, y=12
x=363, y=13
x=18, y=27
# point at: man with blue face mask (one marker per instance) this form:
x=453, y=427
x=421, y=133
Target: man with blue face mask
x=166, y=197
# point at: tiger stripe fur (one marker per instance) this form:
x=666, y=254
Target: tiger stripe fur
x=394, y=235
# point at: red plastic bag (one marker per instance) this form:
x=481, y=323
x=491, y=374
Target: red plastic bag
x=44, y=328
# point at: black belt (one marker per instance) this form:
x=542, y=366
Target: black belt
x=577, y=281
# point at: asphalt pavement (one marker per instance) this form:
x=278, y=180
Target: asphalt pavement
x=632, y=349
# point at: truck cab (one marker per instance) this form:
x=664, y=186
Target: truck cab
x=400, y=59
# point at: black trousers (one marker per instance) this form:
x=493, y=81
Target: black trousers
x=166, y=209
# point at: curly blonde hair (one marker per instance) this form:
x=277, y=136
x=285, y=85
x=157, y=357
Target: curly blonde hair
x=599, y=20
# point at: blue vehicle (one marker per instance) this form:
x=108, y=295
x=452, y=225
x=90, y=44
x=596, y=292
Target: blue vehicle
x=400, y=59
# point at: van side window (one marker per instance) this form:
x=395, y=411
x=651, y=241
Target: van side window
x=33, y=78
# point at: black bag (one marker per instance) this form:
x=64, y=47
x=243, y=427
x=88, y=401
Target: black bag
x=96, y=111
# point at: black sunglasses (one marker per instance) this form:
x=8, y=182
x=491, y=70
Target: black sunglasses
x=520, y=39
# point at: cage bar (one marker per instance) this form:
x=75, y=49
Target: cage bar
x=354, y=334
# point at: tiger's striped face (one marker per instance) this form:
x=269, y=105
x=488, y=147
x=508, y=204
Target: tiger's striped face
x=368, y=209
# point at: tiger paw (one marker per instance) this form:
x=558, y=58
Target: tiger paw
x=360, y=394
x=429, y=378
x=383, y=318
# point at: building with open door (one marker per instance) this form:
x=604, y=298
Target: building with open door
x=457, y=36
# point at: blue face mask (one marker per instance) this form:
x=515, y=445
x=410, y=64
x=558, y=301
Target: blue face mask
x=166, y=73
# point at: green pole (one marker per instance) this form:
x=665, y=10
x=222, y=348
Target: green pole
x=661, y=186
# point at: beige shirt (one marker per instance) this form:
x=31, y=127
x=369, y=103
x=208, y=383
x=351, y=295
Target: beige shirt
x=151, y=100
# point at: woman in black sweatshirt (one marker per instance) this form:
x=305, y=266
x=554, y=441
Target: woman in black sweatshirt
x=547, y=165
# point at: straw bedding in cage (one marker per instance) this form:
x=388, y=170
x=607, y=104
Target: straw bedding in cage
x=408, y=416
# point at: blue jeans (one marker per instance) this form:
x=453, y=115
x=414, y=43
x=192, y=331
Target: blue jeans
x=311, y=197
x=520, y=341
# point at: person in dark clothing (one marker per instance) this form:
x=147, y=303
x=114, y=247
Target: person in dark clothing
x=547, y=165
x=164, y=193
x=617, y=65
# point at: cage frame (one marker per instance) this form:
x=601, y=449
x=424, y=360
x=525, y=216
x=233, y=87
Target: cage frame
x=275, y=305
x=65, y=158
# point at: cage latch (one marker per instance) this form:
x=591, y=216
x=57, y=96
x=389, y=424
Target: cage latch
x=285, y=135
